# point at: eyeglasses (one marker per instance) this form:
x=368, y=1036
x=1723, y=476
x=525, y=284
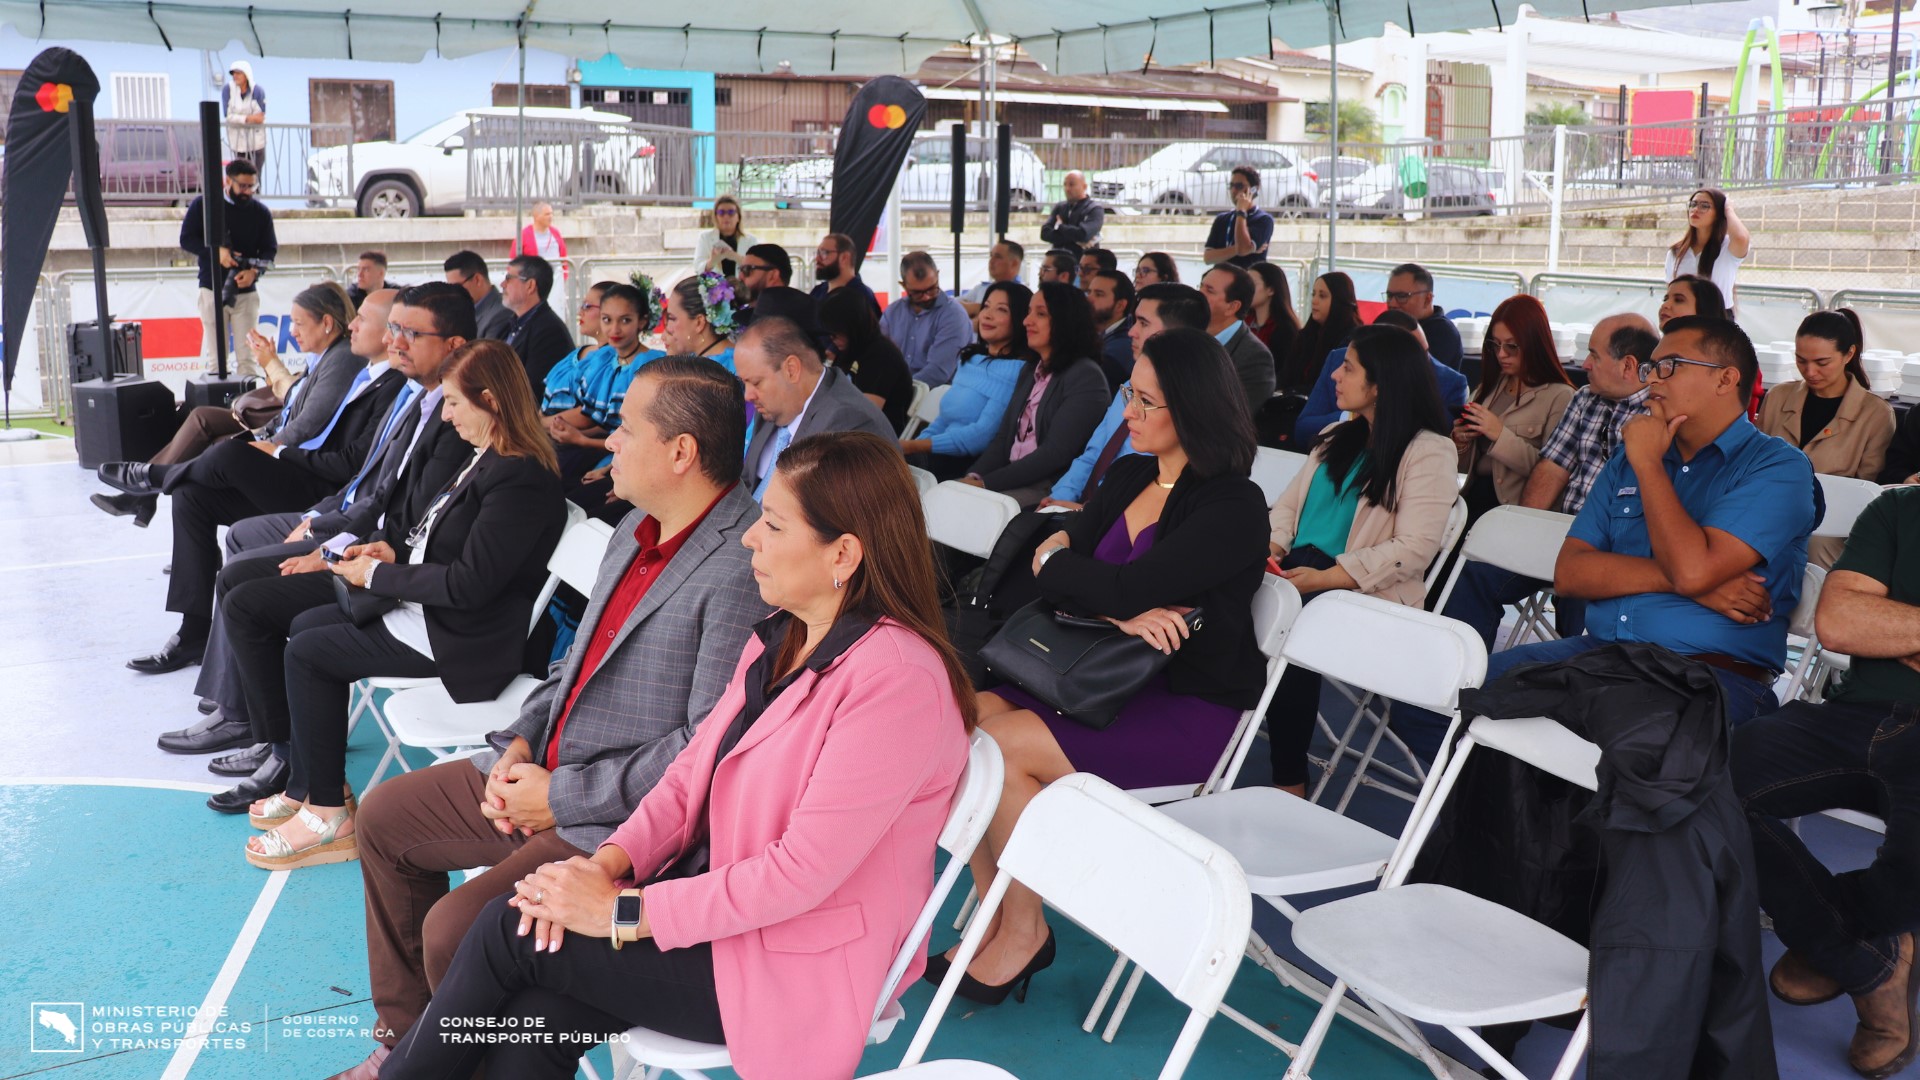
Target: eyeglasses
x=407, y=334
x=587, y=306
x=1237, y=186
x=1127, y=395
x=1504, y=348
x=1666, y=366
x=1699, y=204
x=927, y=293
x=1403, y=297
x=726, y=213
x=753, y=268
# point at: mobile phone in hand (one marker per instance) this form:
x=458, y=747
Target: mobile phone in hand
x=327, y=554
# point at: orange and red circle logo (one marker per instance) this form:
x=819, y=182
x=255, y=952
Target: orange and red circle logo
x=887, y=116
x=54, y=97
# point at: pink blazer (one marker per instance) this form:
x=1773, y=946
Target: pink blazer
x=824, y=820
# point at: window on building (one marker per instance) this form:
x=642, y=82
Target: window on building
x=140, y=95
x=539, y=95
x=723, y=97
x=354, y=110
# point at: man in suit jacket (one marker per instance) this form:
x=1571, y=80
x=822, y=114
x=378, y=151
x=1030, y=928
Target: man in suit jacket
x=239, y=479
x=1229, y=293
x=794, y=394
x=538, y=334
x=469, y=271
x=417, y=457
x=663, y=631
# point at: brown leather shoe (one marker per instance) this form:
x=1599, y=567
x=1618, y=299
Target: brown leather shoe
x=368, y=1069
x=1795, y=981
x=1889, y=1030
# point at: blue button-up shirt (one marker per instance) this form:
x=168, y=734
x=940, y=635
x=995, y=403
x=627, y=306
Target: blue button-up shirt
x=931, y=340
x=1073, y=484
x=1750, y=485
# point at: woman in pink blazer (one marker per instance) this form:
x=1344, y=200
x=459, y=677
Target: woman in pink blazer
x=789, y=847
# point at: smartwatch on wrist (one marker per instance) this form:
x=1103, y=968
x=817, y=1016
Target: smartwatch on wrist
x=626, y=917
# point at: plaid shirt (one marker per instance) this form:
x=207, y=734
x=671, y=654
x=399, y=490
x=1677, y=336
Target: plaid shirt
x=1586, y=438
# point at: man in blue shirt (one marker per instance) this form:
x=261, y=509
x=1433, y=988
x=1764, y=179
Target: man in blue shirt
x=931, y=327
x=834, y=268
x=1241, y=235
x=1160, y=306
x=1570, y=461
x=1695, y=534
x=1320, y=409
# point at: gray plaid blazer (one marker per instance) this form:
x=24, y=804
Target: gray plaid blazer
x=666, y=668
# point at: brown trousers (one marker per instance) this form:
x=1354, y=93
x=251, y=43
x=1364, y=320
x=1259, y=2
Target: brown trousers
x=413, y=830
x=202, y=428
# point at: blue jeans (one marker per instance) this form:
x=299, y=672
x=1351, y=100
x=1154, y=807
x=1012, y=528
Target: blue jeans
x=1807, y=758
x=1423, y=730
x=1484, y=590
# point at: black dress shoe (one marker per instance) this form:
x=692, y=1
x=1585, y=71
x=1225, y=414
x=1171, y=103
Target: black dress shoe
x=241, y=762
x=173, y=656
x=212, y=734
x=207, y=705
x=269, y=779
x=140, y=507
x=128, y=476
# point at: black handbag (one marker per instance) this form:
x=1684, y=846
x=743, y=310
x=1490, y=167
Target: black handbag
x=1088, y=669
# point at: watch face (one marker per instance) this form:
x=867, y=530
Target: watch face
x=626, y=910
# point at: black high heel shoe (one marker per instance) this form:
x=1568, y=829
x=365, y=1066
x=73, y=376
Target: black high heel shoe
x=937, y=967
x=974, y=990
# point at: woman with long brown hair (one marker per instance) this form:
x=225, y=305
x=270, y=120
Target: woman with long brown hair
x=1715, y=243
x=444, y=589
x=1331, y=321
x=1523, y=393
x=760, y=891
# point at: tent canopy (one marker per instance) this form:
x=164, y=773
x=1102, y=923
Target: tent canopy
x=876, y=36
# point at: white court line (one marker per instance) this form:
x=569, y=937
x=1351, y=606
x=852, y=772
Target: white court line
x=188, y=1051
x=111, y=781
x=85, y=562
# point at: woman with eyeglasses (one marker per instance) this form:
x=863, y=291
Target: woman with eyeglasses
x=982, y=385
x=601, y=383
x=559, y=394
x=720, y=247
x=1154, y=268
x=446, y=593
x=1175, y=527
x=1715, y=243
x=1057, y=403
x=1523, y=393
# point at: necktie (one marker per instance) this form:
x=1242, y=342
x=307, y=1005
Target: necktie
x=781, y=440
x=379, y=444
x=1107, y=455
x=360, y=379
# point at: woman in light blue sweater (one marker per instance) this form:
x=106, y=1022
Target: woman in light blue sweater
x=982, y=386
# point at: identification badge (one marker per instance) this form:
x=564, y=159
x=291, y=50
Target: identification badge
x=1626, y=491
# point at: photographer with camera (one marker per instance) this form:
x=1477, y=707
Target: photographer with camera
x=248, y=248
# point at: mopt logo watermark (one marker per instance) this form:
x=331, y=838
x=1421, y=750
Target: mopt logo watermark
x=57, y=1027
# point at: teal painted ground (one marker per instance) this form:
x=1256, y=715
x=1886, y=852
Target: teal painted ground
x=132, y=897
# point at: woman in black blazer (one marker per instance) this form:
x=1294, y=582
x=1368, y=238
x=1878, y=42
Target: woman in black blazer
x=1047, y=425
x=1177, y=526
x=464, y=577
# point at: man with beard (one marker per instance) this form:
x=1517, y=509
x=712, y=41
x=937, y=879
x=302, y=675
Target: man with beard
x=248, y=247
x=833, y=268
x=1112, y=296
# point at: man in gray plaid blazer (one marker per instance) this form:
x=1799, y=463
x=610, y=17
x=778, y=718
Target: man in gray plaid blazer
x=670, y=614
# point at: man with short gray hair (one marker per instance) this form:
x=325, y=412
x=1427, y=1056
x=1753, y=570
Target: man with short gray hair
x=931, y=327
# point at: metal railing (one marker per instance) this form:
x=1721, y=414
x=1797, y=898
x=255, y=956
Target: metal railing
x=157, y=162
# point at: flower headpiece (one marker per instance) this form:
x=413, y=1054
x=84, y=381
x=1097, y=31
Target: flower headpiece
x=716, y=295
x=639, y=280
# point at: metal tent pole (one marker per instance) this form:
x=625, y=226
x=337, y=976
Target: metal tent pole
x=1333, y=126
x=520, y=140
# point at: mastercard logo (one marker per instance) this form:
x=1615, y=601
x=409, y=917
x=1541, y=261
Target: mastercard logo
x=887, y=116
x=54, y=97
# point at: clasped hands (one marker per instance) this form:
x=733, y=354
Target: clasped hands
x=517, y=792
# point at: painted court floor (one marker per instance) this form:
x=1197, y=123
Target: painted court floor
x=128, y=909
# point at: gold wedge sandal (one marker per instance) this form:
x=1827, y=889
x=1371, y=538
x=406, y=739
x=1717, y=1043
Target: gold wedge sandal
x=275, y=809
x=328, y=846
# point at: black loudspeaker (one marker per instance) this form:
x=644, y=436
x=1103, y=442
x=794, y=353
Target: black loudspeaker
x=1002, y=179
x=957, y=204
x=88, y=359
x=123, y=419
x=213, y=390
x=86, y=176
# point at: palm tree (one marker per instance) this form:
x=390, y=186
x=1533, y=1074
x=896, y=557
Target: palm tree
x=1554, y=114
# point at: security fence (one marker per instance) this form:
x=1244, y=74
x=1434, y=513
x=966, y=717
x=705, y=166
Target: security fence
x=158, y=162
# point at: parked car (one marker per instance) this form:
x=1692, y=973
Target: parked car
x=1329, y=171
x=927, y=176
x=142, y=164
x=1452, y=190
x=1193, y=176
x=569, y=151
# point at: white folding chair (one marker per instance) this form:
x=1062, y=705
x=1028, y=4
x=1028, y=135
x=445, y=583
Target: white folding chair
x=974, y=802
x=421, y=713
x=951, y=1069
x=1808, y=678
x=967, y=518
x=1437, y=955
x=925, y=408
x=1519, y=540
x=1846, y=497
x=1155, y=890
x=1289, y=846
x=1402, y=784
x=1274, y=469
x=923, y=481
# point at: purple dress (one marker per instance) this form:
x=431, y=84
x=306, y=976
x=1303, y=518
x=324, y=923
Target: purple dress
x=1159, y=737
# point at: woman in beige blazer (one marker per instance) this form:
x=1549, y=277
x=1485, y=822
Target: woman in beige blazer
x=1366, y=513
x=1523, y=393
x=1830, y=414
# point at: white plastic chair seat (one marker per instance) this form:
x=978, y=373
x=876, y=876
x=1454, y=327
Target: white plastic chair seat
x=1286, y=844
x=428, y=716
x=952, y=1069
x=662, y=1051
x=1446, y=957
